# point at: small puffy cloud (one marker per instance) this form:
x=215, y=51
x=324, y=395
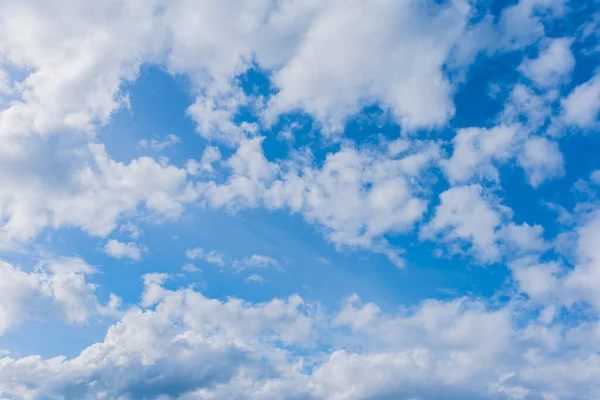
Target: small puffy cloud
x=214, y=116
x=534, y=278
x=190, y=268
x=595, y=177
x=476, y=150
x=131, y=229
x=522, y=23
x=541, y=159
x=114, y=248
x=56, y=290
x=255, y=278
x=158, y=145
x=210, y=155
x=581, y=107
x=471, y=220
x=553, y=65
x=211, y=257
x=583, y=282
x=524, y=237
x=255, y=261
x=465, y=213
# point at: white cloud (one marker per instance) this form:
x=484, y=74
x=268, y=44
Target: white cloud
x=255, y=261
x=46, y=183
x=472, y=220
x=131, y=250
x=466, y=215
x=535, y=278
x=386, y=55
x=132, y=229
x=476, y=149
x=190, y=268
x=357, y=195
x=214, y=117
x=583, y=282
x=553, y=65
x=4, y=83
x=582, y=105
x=210, y=155
x=211, y=257
x=524, y=237
x=595, y=176
x=255, y=278
x=541, y=159
x=181, y=344
x=523, y=23
x=157, y=145
x=55, y=290
x=478, y=152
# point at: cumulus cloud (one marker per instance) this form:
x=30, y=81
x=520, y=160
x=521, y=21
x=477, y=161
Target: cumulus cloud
x=181, y=344
x=71, y=186
x=581, y=107
x=158, y=145
x=131, y=250
x=471, y=219
x=541, y=159
x=475, y=150
x=328, y=60
x=255, y=261
x=55, y=290
x=211, y=257
x=255, y=278
x=387, y=56
x=553, y=65
x=357, y=195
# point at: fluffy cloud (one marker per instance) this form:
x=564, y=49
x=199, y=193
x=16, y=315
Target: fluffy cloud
x=131, y=250
x=553, y=65
x=582, y=282
x=470, y=219
x=56, y=290
x=387, y=56
x=181, y=344
x=75, y=60
x=475, y=150
x=357, y=195
x=211, y=257
x=541, y=159
x=582, y=105
x=51, y=184
x=73, y=80
x=157, y=145
x=255, y=261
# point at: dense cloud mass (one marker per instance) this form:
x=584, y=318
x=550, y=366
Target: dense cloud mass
x=68, y=178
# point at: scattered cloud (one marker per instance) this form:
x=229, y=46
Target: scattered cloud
x=255, y=278
x=114, y=248
x=55, y=290
x=211, y=257
x=157, y=145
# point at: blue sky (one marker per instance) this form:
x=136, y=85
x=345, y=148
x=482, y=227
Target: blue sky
x=300, y=200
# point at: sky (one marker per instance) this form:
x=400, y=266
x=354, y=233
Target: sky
x=300, y=199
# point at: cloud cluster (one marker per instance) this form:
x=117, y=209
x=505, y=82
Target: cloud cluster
x=181, y=344
x=356, y=196
x=55, y=290
x=63, y=65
